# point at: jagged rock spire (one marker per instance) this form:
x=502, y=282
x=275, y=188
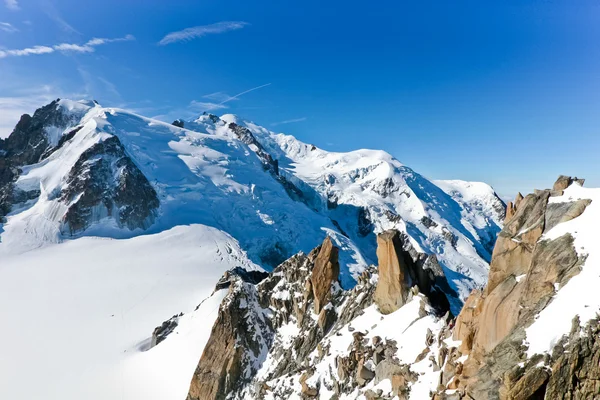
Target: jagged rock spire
x=324, y=274
x=394, y=279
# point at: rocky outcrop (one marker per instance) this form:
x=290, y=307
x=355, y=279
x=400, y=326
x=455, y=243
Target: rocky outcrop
x=28, y=143
x=401, y=267
x=294, y=315
x=564, y=182
x=229, y=277
x=104, y=182
x=525, y=273
x=514, y=246
x=161, y=332
x=394, y=277
x=325, y=272
x=233, y=346
x=245, y=136
x=30, y=139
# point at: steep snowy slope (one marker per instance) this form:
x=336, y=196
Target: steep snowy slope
x=368, y=191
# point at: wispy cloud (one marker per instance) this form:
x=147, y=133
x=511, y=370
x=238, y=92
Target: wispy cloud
x=88, y=47
x=289, y=121
x=11, y=5
x=55, y=16
x=220, y=99
x=6, y=27
x=200, y=31
x=99, y=41
x=206, y=106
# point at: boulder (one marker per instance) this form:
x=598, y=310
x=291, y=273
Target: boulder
x=363, y=374
x=562, y=183
x=325, y=272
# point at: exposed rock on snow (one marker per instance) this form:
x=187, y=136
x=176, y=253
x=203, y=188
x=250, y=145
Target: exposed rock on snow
x=105, y=182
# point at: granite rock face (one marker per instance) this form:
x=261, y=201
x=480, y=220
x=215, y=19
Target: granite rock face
x=394, y=278
x=324, y=274
x=525, y=273
x=402, y=267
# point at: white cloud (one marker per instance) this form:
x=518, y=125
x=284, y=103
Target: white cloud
x=6, y=27
x=289, y=121
x=88, y=47
x=11, y=4
x=26, y=52
x=206, y=106
x=74, y=48
x=99, y=41
x=200, y=31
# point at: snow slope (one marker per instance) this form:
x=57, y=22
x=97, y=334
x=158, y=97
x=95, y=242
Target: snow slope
x=79, y=316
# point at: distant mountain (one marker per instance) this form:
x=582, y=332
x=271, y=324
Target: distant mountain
x=106, y=213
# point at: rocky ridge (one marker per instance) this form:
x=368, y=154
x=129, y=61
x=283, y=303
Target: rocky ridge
x=528, y=269
x=271, y=339
x=354, y=345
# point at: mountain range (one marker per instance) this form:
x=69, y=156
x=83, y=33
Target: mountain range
x=213, y=259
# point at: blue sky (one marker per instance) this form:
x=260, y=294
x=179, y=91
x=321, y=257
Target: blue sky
x=506, y=92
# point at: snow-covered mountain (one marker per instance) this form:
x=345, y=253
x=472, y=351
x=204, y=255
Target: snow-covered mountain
x=115, y=222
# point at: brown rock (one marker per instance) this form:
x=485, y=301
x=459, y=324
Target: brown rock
x=307, y=390
x=510, y=211
x=325, y=272
x=527, y=386
x=394, y=280
x=518, y=200
x=499, y=314
x=562, y=183
x=467, y=321
x=220, y=367
x=363, y=374
x=557, y=213
x=514, y=246
x=326, y=319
